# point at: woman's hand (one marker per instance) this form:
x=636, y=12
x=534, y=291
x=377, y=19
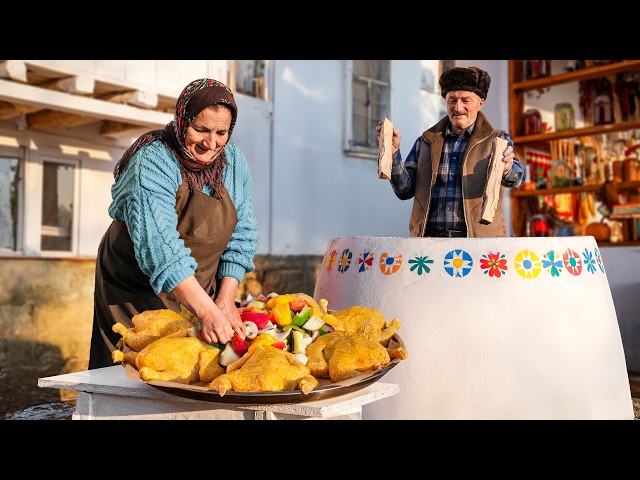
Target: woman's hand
x=226, y=303
x=232, y=316
x=219, y=320
x=215, y=328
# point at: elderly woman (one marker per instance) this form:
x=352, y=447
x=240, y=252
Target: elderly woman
x=184, y=230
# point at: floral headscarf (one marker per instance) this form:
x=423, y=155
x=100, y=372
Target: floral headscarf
x=195, y=97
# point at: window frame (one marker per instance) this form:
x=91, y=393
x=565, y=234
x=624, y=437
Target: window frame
x=33, y=219
x=259, y=87
x=349, y=147
x=18, y=154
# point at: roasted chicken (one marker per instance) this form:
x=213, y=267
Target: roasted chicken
x=342, y=355
x=266, y=369
x=367, y=321
x=151, y=325
x=183, y=360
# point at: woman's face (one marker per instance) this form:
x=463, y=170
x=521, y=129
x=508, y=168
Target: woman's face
x=208, y=133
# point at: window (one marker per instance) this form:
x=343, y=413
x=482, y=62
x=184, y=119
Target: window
x=57, y=206
x=248, y=77
x=10, y=180
x=368, y=102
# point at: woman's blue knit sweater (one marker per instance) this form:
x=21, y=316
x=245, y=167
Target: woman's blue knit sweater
x=144, y=197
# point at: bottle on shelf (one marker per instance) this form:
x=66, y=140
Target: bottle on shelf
x=532, y=122
x=602, y=104
x=564, y=116
x=537, y=68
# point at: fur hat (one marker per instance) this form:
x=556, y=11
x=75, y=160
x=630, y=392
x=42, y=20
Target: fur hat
x=472, y=79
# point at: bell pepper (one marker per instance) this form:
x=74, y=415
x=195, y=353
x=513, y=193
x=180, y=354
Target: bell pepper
x=302, y=316
x=282, y=314
x=260, y=319
x=294, y=327
x=330, y=320
x=317, y=311
x=239, y=345
x=262, y=339
x=278, y=299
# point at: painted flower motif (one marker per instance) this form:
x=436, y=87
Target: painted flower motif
x=527, y=264
x=589, y=261
x=457, y=263
x=572, y=262
x=552, y=263
x=331, y=261
x=421, y=264
x=599, y=260
x=390, y=264
x=345, y=260
x=365, y=260
x=494, y=264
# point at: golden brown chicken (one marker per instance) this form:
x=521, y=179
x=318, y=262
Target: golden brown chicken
x=266, y=369
x=183, y=360
x=367, y=321
x=342, y=355
x=151, y=325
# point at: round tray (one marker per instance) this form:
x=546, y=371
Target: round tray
x=295, y=396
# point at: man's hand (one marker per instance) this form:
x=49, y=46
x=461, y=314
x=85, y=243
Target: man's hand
x=395, y=139
x=508, y=156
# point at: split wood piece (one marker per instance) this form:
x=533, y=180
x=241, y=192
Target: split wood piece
x=494, y=177
x=384, y=150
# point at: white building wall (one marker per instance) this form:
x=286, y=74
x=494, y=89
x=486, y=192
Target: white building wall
x=252, y=134
x=319, y=192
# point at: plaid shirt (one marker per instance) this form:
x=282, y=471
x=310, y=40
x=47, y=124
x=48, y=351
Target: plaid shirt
x=446, y=210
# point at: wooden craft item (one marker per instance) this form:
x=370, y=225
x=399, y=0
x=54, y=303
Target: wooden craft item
x=384, y=150
x=492, y=187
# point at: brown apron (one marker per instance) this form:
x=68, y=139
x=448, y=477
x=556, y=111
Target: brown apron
x=122, y=290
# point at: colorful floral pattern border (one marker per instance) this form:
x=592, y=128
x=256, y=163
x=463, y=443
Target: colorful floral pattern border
x=458, y=263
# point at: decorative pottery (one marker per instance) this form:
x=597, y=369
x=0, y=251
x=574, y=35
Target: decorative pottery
x=495, y=328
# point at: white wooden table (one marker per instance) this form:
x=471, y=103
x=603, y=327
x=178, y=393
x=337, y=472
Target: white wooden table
x=107, y=394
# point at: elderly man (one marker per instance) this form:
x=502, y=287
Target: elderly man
x=447, y=167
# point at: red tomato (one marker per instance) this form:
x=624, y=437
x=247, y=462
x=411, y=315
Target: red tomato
x=239, y=345
x=298, y=305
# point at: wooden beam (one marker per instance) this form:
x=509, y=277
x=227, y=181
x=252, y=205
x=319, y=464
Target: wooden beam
x=13, y=110
x=51, y=119
x=109, y=127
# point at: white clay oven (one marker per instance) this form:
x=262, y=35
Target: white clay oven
x=496, y=328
